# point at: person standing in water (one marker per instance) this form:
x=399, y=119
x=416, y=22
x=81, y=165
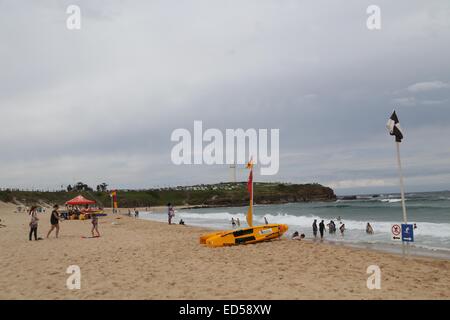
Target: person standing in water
x=238, y=222
x=314, y=226
x=369, y=229
x=54, y=221
x=233, y=224
x=265, y=220
x=321, y=228
x=33, y=223
x=342, y=228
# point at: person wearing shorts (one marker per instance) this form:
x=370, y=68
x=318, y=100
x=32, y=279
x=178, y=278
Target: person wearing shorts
x=54, y=221
x=94, y=220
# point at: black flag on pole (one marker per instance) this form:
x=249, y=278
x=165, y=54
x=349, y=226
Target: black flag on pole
x=393, y=126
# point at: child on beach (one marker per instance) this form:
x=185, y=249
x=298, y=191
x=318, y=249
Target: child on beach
x=54, y=221
x=94, y=221
x=33, y=223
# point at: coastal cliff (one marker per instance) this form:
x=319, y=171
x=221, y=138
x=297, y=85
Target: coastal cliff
x=213, y=195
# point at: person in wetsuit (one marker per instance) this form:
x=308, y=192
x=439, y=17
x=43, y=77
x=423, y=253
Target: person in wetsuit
x=321, y=228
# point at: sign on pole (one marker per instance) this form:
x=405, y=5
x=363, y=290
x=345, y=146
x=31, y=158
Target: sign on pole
x=396, y=232
x=407, y=232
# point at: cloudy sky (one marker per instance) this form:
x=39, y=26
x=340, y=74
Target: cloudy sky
x=99, y=104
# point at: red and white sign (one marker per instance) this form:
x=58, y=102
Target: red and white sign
x=396, y=231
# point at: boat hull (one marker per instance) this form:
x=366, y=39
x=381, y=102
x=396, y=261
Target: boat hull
x=244, y=236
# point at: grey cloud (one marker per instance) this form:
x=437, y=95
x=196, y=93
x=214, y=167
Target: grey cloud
x=100, y=103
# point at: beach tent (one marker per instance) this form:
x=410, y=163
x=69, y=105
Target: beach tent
x=79, y=200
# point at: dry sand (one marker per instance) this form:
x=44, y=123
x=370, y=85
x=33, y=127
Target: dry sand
x=137, y=259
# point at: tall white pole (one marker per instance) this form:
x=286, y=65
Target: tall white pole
x=402, y=192
x=402, y=187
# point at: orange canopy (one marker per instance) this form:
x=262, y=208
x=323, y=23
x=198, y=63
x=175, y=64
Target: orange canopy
x=79, y=200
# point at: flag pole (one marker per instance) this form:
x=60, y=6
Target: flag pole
x=402, y=187
x=253, y=202
x=402, y=192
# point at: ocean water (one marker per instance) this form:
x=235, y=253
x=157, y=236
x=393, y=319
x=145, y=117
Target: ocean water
x=430, y=211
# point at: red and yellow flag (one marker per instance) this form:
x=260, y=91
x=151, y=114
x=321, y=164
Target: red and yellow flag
x=113, y=194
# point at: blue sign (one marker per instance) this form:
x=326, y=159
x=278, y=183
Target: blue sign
x=407, y=232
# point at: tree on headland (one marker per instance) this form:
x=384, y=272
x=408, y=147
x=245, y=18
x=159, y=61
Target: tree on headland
x=69, y=188
x=103, y=187
x=80, y=186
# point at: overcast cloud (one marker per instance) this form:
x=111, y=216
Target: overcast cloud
x=99, y=104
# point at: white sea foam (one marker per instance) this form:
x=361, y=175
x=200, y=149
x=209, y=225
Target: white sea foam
x=391, y=200
x=439, y=230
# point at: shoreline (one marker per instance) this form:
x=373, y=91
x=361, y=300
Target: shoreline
x=138, y=259
x=394, y=249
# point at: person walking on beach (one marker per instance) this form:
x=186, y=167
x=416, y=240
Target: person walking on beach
x=170, y=212
x=233, y=223
x=265, y=220
x=314, y=226
x=321, y=228
x=369, y=229
x=54, y=221
x=238, y=222
x=94, y=221
x=136, y=213
x=33, y=223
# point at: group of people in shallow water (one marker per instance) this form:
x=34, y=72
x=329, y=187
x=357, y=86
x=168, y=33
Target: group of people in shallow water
x=55, y=218
x=332, y=228
x=237, y=223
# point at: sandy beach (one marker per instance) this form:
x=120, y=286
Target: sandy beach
x=138, y=259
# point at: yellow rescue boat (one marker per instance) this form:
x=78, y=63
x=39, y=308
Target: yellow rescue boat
x=244, y=236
